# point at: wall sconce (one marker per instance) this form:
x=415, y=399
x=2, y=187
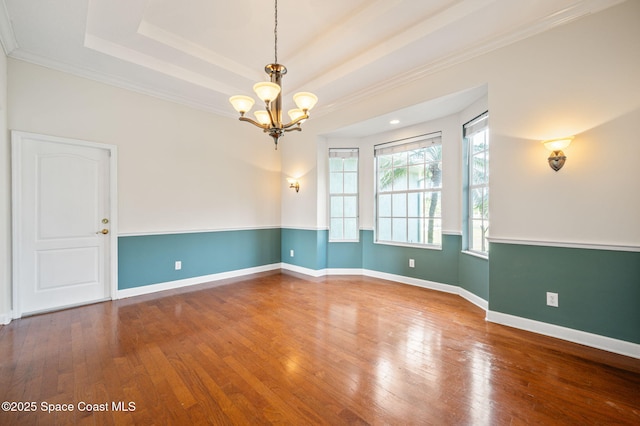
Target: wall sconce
x=557, y=157
x=293, y=183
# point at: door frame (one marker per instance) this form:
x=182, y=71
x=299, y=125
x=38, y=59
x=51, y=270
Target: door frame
x=16, y=208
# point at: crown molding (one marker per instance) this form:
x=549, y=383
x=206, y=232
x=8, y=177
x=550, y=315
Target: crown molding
x=116, y=82
x=7, y=37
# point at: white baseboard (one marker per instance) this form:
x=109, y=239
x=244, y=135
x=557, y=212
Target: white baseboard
x=576, y=336
x=432, y=285
x=305, y=271
x=6, y=318
x=170, y=285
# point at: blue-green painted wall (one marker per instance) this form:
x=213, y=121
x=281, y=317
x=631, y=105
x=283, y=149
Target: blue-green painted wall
x=598, y=290
x=150, y=259
x=473, y=275
x=309, y=246
x=440, y=266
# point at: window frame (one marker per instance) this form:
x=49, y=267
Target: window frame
x=476, y=126
x=344, y=153
x=423, y=221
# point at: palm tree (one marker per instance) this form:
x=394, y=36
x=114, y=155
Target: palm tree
x=395, y=168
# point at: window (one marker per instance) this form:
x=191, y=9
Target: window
x=409, y=191
x=343, y=195
x=476, y=144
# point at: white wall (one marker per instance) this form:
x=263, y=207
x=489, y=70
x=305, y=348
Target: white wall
x=179, y=169
x=579, y=79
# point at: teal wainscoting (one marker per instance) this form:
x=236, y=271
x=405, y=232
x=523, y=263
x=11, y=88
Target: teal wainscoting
x=445, y=266
x=598, y=290
x=440, y=266
x=309, y=247
x=347, y=255
x=473, y=275
x=150, y=259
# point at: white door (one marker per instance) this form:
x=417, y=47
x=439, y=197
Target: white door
x=62, y=223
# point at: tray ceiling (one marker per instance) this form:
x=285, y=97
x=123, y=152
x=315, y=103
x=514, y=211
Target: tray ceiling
x=199, y=52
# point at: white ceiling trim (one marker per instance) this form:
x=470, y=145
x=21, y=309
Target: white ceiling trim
x=174, y=41
x=412, y=34
x=135, y=57
x=7, y=37
x=121, y=83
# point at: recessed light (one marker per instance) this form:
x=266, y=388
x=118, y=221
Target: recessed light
x=394, y=122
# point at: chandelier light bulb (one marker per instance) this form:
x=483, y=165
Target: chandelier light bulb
x=262, y=117
x=305, y=100
x=295, y=113
x=242, y=103
x=266, y=91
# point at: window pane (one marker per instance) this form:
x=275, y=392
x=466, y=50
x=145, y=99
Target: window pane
x=350, y=207
x=336, y=183
x=434, y=231
x=415, y=231
x=350, y=183
x=417, y=156
x=336, y=230
x=399, y=230
x=434, y=175
x=478, y=232
x=399, y=159
x=399, y=205
x=384, y=205
x=414, y=205
x=399, y=179
x=351, y=229
x=477, y=203
x=335, y=164
x=351, y=164
x=432, y=204
x=485, y=203
x=416, y=177
x=478, y=169
x=337, y=206
x=384, y=229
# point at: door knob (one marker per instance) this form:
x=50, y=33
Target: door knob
x=104, y=231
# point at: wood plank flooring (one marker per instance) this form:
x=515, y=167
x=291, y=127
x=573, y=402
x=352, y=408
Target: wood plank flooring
x=284, y=349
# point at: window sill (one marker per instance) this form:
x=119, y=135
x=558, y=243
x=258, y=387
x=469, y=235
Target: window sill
x=418, y=246
x=476, y=254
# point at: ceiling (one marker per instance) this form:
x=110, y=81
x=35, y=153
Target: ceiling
x=200, y=52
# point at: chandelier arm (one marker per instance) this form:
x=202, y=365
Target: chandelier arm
x=274, y=122
x=291, y=129
x=255, y=123
x=296, y=121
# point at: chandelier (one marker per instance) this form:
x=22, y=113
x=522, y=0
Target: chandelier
x=270, y=119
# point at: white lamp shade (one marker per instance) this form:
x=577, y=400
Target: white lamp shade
x=262, y=117
x=241, y=103
x=295, y=113
x=266, y=91
x=305, y=100
x=557, y=144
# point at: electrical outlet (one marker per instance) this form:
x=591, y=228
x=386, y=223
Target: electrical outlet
x=291, y=253
x=178, y=265
x=552, y=299
x=412, y=263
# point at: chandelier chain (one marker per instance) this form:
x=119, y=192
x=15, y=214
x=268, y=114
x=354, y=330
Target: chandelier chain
x=275, y=31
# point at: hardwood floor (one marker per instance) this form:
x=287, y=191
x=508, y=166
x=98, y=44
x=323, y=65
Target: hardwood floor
x=280, y=348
